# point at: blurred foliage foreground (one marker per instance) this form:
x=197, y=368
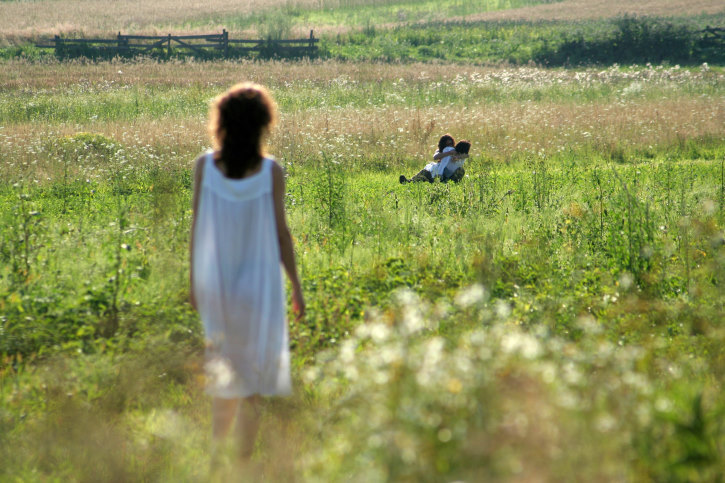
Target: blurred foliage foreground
x=547, y=319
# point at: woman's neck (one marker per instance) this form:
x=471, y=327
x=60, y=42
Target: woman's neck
x=250, y=169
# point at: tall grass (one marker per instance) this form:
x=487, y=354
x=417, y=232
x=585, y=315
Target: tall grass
x=395, y=113
x=623, y=40
x=452, y=381
x=336, y=15
x=569, y=286
x=61, y=17
x=100, y=18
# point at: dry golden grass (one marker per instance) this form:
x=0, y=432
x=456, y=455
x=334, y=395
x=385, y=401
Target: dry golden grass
x=27, y=75
x=32, y=19
x=593, y=9
x=503, y=127
x=573, y=10
x=24, y=19
x=393, y=132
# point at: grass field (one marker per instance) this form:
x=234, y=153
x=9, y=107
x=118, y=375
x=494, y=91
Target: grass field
x=570, y=286
x=480, y=32
x=51, y=17
x=557, y=315
x=102, y=18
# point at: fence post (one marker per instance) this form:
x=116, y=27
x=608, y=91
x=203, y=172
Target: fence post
x=168, y=47
x=225, y=40
x=312, y=43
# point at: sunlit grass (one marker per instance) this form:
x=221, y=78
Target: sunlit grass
x=326, y=17
x=100, y=18
x=555, y=315
x=371, y=115
x=329, y=18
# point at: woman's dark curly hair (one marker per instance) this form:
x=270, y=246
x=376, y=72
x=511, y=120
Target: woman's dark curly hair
x=238, y=121
x=444, y=141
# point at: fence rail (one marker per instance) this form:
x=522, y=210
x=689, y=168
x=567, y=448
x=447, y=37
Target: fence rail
x=712, y=40
x=714, y=33
x=213, y=45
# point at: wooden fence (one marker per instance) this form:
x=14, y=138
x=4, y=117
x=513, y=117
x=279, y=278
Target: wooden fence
x=712, y=43
x=714, y=36
x=205, y=46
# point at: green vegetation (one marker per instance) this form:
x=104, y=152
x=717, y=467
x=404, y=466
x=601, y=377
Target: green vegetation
x=364, y=14
x=619, y=263
x=625, y=40
x=113, y=99
x=129, y=225
x=423, y=31
x=556, y=314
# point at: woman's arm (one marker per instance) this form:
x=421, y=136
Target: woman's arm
x=286, y=247
x=445, y=157
x=448, y=151
x=452, y=154
x=444, y=154
x=442, y=165
x=198, y=166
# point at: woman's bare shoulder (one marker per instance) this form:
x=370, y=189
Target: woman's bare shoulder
x=199, y=161
x=199, y=165
x=277, y=169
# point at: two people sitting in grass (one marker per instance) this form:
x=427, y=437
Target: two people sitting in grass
x=447, y=165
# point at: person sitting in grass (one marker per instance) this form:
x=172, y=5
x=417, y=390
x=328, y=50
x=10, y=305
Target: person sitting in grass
x=443, y=156
x=454, y=171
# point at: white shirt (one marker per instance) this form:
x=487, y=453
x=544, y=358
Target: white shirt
x=454, y=165
x=436, y=169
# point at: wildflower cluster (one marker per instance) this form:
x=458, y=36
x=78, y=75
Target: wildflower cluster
x=463, y=391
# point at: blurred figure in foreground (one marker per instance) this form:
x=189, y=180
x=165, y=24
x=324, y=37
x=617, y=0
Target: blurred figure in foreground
x=239, y=237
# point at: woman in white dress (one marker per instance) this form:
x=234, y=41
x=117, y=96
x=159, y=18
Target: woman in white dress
x=239, y=242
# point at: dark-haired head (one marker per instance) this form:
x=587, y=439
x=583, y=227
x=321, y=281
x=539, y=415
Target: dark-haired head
x=445, y=141
x=463, y=147
x=238, y=121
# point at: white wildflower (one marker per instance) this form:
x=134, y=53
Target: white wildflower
x=347, y=351
x=219, y=372
x=605, y=423
x=471, y=295
x=521, y=343
x=503, y=309
x=379, y=332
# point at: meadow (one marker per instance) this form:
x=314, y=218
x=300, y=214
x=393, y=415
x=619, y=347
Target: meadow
x=327, y=17
x=480, y=32
x=556, y=315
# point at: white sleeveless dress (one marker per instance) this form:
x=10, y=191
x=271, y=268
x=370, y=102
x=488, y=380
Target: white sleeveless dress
x=238, y=284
